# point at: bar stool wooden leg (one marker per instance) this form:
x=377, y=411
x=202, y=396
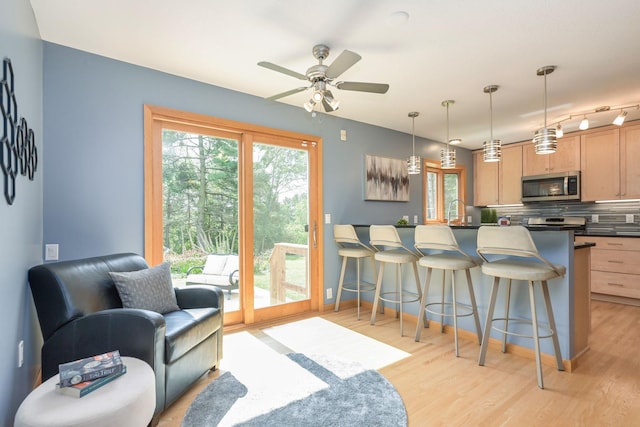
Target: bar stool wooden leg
x=552, y=325
x=487, y=324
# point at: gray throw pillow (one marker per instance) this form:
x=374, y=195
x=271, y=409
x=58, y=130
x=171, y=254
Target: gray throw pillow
x=149, y=289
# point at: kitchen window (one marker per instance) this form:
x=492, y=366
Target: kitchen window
x=441, y=188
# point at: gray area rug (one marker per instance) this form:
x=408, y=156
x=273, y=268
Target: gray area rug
x=364, y=399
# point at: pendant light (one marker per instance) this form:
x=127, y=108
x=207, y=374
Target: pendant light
x=545, y=140
x=492, y=149
x=448, y=155
x=413, y=163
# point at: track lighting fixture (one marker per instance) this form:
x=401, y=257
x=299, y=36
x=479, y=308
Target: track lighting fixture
x=491, y=149
x=584, y=123
x=413, y=163
x=545, y=139
x=619, y=120
x=559, y=131
x=448, y=155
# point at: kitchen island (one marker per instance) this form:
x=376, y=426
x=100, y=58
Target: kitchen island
x=570, y=295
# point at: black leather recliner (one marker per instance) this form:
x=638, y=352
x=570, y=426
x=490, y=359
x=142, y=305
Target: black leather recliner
x=81, y=314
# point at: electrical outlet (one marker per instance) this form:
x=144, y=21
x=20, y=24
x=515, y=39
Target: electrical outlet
x=629, y=218
x=469, y=219
x=343, y=135
x=20, y=353
x=327, y=218
x=415, y=219
x=595, y=219
x=330, y=293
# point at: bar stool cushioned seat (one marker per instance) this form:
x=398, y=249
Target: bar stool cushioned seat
x=385, y=238
x=350, y=246
x=441, y=252
x=516, y=241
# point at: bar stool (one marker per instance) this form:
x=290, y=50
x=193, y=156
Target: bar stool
x=440, y=250
x=385, y=238
x=350, y=246
x=516, y=241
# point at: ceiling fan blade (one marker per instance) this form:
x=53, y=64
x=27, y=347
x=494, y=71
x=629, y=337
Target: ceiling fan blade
x=343, y=62
x=287, y=93
x=363, y=87
x=282, y=70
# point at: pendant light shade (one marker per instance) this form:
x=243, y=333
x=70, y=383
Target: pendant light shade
x=491, y=149
x=447, y=154
x=545, y=140
x=413, y=163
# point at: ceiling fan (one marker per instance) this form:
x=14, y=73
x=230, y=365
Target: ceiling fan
x=322, y=77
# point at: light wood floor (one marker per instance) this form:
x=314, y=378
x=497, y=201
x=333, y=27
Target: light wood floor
x=440, y=389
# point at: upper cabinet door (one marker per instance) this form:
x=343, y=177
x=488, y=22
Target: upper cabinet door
x=509, y=180
x=600, y=165
x=485, y=181
x=629, y=162
x=565, y=159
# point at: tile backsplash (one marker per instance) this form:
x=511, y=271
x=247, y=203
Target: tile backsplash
x=612, y=217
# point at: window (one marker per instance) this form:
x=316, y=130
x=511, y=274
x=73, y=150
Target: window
x=441, y=188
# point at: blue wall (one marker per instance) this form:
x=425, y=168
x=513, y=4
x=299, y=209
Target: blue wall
x=21, y=223
x=93, y=117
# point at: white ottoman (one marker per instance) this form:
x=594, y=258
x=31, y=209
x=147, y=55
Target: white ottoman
x=127, y=401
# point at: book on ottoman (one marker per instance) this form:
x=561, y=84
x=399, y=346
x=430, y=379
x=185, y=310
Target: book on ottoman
x=86, y=387
x=90, y=368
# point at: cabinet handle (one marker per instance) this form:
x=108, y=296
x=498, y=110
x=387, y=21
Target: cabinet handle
x=614, y=244
x=616, y=284
x=615, y=262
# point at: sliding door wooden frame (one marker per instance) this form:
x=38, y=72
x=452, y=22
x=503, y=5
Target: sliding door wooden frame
x=155, y=118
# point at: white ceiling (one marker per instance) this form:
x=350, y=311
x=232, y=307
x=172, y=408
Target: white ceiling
x=446, y=49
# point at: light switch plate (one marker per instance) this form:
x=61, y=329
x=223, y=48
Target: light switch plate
x=595, y=219
x=327, y=218
x=51, y=252
x=629, y=218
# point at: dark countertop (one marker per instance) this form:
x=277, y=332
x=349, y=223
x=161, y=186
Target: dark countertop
x=607, y=234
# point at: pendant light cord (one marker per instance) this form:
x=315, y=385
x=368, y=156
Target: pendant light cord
x=491, y=115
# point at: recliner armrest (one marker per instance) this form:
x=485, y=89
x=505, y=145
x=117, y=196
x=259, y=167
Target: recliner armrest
x=200, y=296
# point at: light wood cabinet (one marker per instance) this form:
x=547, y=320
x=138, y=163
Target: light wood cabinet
x=600, y=165
x=629, y=162
x=614, y=266
x=565, y=159
x=485, y=181
x=609, y=164
x=498, y=182
x=510, y=174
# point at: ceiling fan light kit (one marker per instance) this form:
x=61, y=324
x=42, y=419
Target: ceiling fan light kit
x=447, y=154
x=413, y=163
x=545, y=140
x=491, y=149
x=321, y=76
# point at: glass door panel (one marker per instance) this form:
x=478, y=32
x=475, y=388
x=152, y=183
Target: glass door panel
x=200, y=209
x=280, y=224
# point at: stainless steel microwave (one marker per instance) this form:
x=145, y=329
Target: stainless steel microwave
x=551, y=187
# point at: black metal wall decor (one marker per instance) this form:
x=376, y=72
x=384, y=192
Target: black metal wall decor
x=18, y=145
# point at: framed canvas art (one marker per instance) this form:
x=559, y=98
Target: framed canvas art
x=386, y=179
